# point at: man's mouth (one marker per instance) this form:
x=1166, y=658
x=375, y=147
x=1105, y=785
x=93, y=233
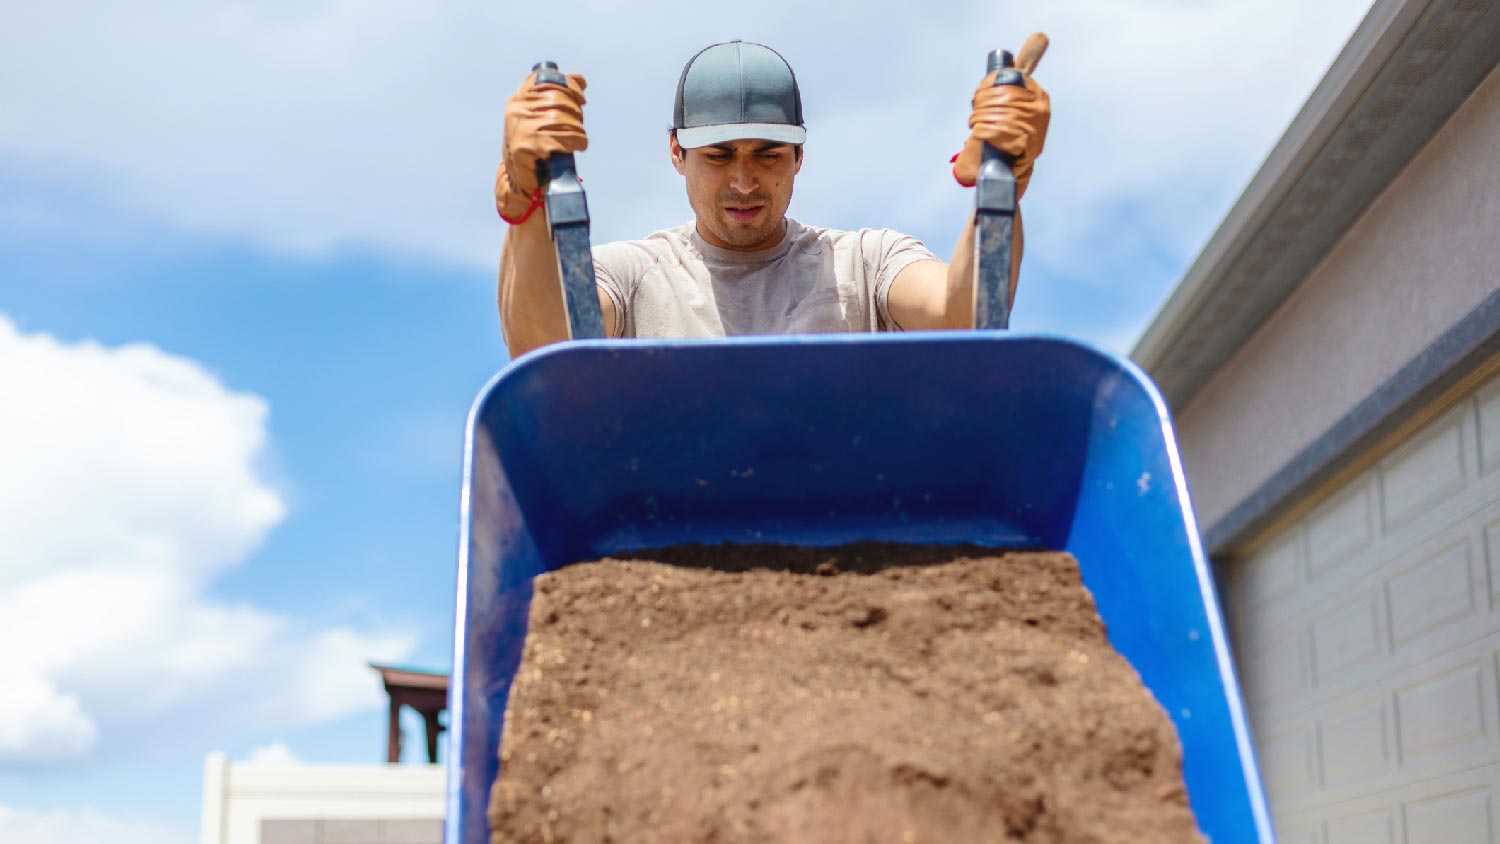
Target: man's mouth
x=743, y=213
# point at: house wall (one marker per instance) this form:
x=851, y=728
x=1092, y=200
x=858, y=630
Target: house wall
x=254, y=803
x=1419, y=260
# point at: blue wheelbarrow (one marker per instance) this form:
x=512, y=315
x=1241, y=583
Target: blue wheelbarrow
x=593, y=447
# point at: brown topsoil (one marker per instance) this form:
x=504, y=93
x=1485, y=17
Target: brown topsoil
x=869, y=693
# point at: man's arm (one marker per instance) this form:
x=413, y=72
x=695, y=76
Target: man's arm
x=1013, y=119
x=532, y=313
x=539, y=120
x=930, y=295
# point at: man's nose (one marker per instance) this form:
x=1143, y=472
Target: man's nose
x=742, y=176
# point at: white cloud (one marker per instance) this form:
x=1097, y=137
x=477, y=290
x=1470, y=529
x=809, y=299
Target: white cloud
x=297, y=125
x=275, y=753
x=131, y=480
x=19, y=826
x=88, y=426
x=1169, y=107
x=40, y=723
x=309, y=125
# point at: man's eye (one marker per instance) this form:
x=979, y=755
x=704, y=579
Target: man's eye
x=718, y=158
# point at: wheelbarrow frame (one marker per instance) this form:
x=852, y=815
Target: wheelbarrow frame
x=594, y=448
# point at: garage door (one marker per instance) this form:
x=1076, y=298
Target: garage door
x=1368, y=639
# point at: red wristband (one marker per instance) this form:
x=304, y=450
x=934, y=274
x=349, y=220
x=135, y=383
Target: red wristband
x=954, y=161
x=536, y=202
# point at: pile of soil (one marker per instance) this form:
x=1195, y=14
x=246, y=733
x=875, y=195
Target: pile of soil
x=878, y=693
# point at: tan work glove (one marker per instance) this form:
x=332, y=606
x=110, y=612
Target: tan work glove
x=1012, y=118
x=538, y=122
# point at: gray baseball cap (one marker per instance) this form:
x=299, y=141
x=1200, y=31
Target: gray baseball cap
x=737, y=91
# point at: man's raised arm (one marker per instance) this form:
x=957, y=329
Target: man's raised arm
x=931, y=294
x=539, y=120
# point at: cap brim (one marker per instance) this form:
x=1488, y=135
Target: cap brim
x=703, y=136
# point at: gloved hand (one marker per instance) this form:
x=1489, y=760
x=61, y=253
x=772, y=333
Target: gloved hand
x=538, y=122
x=1012, y=118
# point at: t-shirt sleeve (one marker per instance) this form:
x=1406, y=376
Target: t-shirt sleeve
x=618, y=268
x=887, y=253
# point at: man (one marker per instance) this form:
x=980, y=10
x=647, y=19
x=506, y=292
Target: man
x=742, y=266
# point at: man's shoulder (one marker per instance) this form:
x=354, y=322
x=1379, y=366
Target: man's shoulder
x=866, y=239
x=826, y=233
x=628, y=259
x=669, y=238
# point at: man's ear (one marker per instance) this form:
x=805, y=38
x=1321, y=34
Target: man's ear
x=679, y=155
x=801, y=155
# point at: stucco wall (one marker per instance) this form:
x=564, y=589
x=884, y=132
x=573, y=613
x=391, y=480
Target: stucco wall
x=1423, y=256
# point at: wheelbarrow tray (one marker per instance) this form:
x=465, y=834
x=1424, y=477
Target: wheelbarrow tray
x=593, y=448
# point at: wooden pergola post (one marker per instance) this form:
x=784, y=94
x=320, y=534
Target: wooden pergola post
x=424, y=691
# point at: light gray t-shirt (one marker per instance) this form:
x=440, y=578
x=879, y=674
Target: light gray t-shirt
x=676, y=284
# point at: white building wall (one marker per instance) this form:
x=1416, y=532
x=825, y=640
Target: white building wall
x=239, y=796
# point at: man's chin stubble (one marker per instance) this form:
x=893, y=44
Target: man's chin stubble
x=744, y=239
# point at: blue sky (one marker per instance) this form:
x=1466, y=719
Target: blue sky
x=246, y=296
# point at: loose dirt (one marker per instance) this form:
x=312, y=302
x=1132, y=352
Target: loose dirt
x=870, y=693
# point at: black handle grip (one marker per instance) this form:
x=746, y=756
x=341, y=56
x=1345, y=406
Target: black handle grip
x=1002, y=64
x=1002, y=60
x=548, y=74
x=568, y=218
x=994, y=216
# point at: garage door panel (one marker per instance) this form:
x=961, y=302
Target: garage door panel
x=1272, y=575
x=1346, y=637
x=1271, y=588
x=1462, y=818
x=1353, y=745
x=1370, y=828
x=1445, y=712
x=1298, y=835
x=1368, y=637
x=1286, y=762
x=1492, y=554
x=1420, y=605
x=1340, y=528
x=1435, y=721
x=1435, y=592
x=1489, y=428
x=1424, y=472
x=1277, y=670
x=1347, y=819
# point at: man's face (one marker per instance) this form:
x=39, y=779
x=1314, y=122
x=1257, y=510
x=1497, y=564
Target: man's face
x=739, y=190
